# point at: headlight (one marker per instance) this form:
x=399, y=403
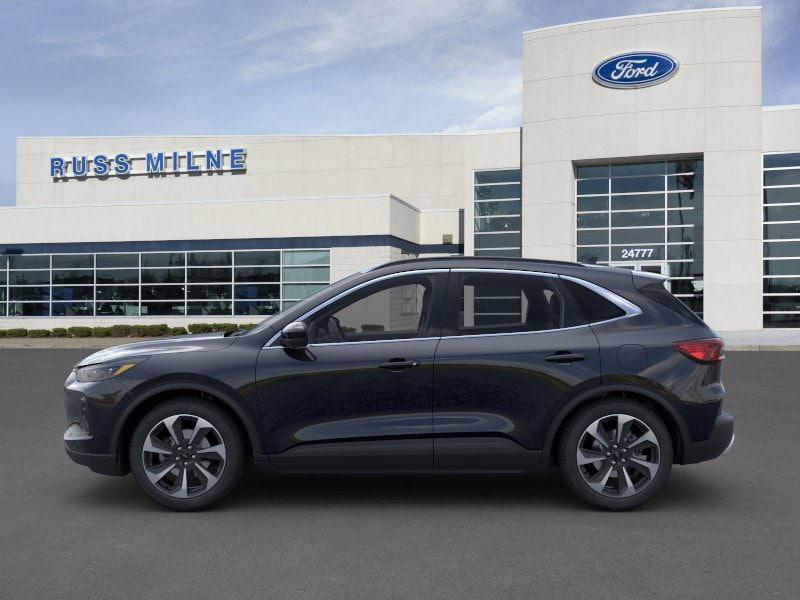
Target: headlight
x=101, y=372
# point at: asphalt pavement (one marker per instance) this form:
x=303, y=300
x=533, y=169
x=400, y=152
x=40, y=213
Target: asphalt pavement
x=726, y=529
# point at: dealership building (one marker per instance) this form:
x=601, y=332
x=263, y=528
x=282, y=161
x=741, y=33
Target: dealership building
x=643, y=144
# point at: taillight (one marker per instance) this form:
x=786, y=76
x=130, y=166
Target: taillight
x=706, y=351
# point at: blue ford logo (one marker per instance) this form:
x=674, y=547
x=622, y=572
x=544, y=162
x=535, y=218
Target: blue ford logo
x=635, y=70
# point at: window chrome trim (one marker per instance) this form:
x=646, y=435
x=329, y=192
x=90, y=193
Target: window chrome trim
x=347, y=292
x=415, y=339
x=631, y=310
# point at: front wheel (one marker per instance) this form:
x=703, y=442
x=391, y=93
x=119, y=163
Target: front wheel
x=615, y=453
x=187, y=453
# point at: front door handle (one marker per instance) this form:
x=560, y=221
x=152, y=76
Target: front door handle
x=565, y=357
x=398, y=364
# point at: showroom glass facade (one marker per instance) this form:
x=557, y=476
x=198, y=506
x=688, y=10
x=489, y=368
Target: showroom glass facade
x=497, y=223
x=207, y=283
x=781, y=281
x=646, y=216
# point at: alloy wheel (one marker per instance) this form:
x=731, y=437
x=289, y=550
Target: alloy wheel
x=618, y=455
x=183, y=456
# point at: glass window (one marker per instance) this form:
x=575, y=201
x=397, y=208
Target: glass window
x=209, y=275
x=163, y=276
x=496, y=192
x=683, y=182
x=73, y=261
x=589, y=254
x=498, y=176
x=637, y=219
x=509, y=253
x=117, y=275
x=680, y=234
x=785, y=320
x=680, y=251
x=684, y=166
x=29, y=277
x=309, y=274
x=637, y=236
x=209, y=292
x=29, y=261
x=505, y=207
x=392, y=311
x=782, y=213
x=298, y=291
x=209, y=259
x=117, y=309
x=782, y=285
x=637, y=202
x=592, y=203
x=782, y=267
x=587, y=171
x=782, y=231
x=2, y=277
x=28, y=309
x=162, y=292
x=64, y=277
x=505, y=303
x=73, y=292
x=782, y=195
x=29, y=293
x=256, y=308
x=116, y=261
x=306, y=257
x=789, y=159
x=497, y=240
x=592, y=186
x=594, y=307
x=685, y=200
x=651, y=168
x=256, y=292
x=593, y=237
x=788, y=177
x=257, y=274
x=162, y=308
x=638, y=252
x=593, y=220
x=208, y=308
x=684, y=217
x=117, y=292
x=73, y=309
x=270, y=257
x=494, y=224
x=637, y=184
x=163, y=259
x=782, y=303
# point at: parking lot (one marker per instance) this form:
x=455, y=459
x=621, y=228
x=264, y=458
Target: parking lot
x=724, y=529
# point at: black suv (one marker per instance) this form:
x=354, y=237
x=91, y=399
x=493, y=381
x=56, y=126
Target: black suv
x=431, y=365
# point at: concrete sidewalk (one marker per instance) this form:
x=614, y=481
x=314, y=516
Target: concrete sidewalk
x=767, y=339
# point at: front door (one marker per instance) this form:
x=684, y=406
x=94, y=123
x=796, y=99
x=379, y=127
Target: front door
x=359, y=398
x=514, y=345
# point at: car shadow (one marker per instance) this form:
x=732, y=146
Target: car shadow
x=541, y=490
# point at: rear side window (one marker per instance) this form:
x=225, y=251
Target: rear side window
x=594, y=307
x=509, y=302
x=658, y=292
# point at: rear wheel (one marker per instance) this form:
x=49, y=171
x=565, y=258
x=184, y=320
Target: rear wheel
x=187, y=453
x=615, y=453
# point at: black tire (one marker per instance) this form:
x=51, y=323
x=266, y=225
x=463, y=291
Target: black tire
x=228, y=430
x=575, y=476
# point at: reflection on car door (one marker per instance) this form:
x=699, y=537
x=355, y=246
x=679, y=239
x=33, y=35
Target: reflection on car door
x=360, y=396
x=513, y=344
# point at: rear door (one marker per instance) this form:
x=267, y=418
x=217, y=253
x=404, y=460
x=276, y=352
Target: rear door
x=515, y=345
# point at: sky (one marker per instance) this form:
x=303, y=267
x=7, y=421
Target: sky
x=172, y=67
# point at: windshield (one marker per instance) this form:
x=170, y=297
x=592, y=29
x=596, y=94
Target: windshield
x=307, y=303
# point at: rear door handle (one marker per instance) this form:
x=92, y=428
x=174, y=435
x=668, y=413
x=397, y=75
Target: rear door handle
x=565, y=357
x=399, y=364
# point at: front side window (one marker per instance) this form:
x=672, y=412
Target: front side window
x=397, y=309
x=507, y=303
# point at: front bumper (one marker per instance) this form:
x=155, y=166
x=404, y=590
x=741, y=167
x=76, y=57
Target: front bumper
x=720, y=442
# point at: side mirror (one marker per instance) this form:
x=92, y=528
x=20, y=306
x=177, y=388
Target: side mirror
x=294, y=335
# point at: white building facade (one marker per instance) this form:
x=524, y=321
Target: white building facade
x=662, y=160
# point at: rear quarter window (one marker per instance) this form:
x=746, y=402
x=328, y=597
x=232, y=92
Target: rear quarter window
x=594, y=307
x=658, y=292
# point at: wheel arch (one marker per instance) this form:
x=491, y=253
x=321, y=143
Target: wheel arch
x=668, y=414
x=152, y=396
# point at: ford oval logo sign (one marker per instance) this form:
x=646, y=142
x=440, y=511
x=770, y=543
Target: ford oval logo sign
x=635, y=70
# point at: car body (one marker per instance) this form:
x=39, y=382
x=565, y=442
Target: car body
x=451, y=364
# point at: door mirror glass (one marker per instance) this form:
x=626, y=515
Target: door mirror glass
x=294, y=335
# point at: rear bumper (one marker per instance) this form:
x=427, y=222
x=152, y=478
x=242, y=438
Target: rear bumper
x=718, y=443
